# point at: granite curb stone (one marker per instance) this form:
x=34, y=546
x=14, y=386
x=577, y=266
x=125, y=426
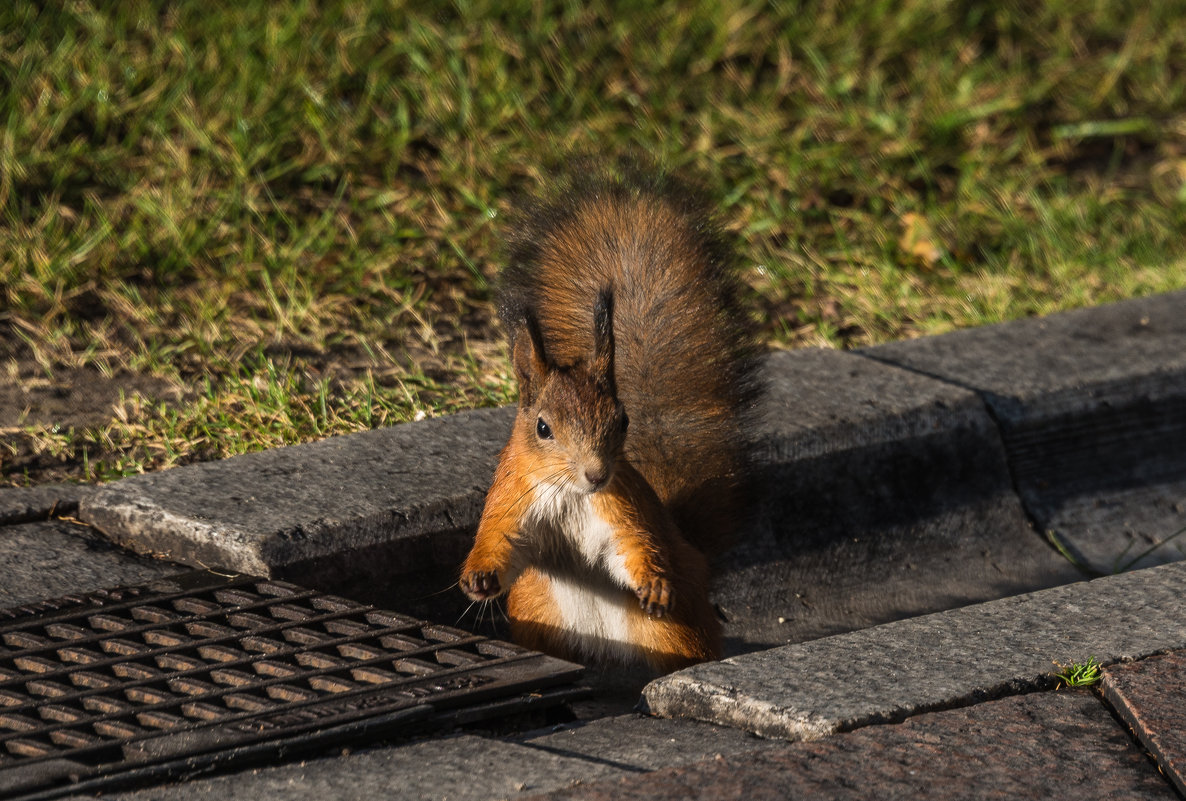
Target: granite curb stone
x=870, y=476
x=866, y=470
x=947, y=659
x=1091, y=405
x=388, y=511
x=881, y=466
x=1150, y=696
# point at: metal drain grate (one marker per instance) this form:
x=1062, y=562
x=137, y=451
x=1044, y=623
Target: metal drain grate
x=111, y=687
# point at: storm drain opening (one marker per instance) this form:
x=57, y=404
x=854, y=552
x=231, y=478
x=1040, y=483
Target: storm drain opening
x=124, y=686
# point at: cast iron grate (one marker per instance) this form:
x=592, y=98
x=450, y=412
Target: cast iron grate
x=118, y=686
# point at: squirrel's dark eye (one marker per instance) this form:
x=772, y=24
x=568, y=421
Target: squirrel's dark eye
x=542, y=429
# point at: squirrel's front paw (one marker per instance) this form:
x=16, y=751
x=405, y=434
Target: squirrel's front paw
x=480, y=585
x=654, y=597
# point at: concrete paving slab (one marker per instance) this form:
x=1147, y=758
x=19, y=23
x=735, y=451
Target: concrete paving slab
x=1150, y=696
x=1089, y=403
x=382, y=516
x=52, y=558
x=1047, y=745
x=881, y=494
x=812, y=689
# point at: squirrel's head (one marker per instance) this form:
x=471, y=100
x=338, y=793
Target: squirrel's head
x=570, y=414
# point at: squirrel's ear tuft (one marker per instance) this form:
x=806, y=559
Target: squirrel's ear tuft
x=529, y=358
x=603, y=339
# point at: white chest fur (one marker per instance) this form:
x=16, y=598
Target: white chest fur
x=566, y=520
x=596, y=611
x=599, y=622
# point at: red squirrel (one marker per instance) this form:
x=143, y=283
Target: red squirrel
x=625, y=462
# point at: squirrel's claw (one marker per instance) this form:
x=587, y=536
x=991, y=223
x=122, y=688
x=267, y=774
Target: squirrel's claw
x=654, y=597
x=480, y=585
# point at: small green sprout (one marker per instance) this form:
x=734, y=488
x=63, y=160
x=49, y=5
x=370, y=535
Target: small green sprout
x=1078, y=674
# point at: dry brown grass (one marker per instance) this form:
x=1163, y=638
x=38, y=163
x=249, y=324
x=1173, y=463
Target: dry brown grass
x=278, y=222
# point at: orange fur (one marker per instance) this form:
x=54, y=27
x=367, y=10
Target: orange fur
x=662, y=567
x=509, y=495
x=621, y=308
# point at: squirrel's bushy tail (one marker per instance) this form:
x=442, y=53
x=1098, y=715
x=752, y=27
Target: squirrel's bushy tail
x=684, y=363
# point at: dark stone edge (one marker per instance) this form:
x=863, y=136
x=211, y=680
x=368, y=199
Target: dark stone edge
x=42, y=502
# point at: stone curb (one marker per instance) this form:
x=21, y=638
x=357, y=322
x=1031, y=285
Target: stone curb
x=864, y=466
x=1091, y=406
x=392, y=507
x=921, y=461
x=870, y=477
x=877, y=468
x=948, y=659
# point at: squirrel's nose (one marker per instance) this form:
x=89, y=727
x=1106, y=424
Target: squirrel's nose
x=596, y=477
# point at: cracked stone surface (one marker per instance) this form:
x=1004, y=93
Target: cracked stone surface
x=1039, y=746
x=1151, y=697
x=1091, y=406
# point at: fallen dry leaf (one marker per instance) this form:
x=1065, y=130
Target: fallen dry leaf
x=919, y=240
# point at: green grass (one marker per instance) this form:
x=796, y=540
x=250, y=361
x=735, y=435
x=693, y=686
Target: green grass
x=290, y=211
x=1079, y=674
